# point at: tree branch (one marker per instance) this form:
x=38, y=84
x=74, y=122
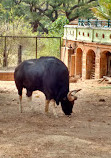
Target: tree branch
x=17, y=1
x=43, y=28
x=68, y=12
x=80, y=5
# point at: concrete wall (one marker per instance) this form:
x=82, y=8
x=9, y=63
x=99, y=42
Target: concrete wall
x=88, y=34
x=88, y=60
x=6, y=76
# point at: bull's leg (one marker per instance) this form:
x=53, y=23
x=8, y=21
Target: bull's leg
x=47, y=106
x=54, y=108
x=20, y=103
x=29, y=99
x=20, y=98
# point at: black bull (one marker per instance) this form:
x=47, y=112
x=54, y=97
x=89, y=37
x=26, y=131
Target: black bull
x=48, y=75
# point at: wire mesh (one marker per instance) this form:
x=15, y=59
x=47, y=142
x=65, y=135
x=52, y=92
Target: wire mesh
x=48, y=47
x=1, y=50
x=13, y=48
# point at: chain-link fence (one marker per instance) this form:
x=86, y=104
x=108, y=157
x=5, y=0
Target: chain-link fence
x=15, y=49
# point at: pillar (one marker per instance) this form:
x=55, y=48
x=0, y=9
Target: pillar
x=84, y=65
x=97, y=64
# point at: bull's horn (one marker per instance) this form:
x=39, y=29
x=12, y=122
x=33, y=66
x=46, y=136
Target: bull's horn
x=71, y=94
x=75, y=91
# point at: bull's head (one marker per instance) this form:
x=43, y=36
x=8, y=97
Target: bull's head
x=68, y=102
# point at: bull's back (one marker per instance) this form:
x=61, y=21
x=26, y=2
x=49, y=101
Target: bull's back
x=55, y=79
x=45, y=74
x=26, y=74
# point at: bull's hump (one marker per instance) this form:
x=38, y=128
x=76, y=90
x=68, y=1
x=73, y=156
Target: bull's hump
x=30, y=62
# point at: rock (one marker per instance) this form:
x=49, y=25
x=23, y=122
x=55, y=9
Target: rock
x=101, y=100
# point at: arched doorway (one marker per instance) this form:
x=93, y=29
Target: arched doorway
x=90, y=64
x=105, y=64
x=79, y=62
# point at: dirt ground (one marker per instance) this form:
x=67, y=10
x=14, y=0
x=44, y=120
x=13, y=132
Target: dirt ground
x=32, y=134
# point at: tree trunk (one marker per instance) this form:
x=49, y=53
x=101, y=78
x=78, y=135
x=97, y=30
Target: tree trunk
x=43, y=28
x=35, y=26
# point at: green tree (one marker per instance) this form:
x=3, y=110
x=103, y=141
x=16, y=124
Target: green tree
x=57, y=27
x=103, y=11
x=75, y=9
x=10, y=9
x=12, y=18
x=41, y=13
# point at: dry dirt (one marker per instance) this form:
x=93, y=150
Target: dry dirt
x=87, y=134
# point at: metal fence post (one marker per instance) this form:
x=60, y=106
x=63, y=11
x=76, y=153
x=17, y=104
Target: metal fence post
x=60, y=47
x=36, y=47
x=5, y=54
x=19, y=54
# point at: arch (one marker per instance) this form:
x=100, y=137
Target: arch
x=90, y=64
x=79, y=54
x=105, y=64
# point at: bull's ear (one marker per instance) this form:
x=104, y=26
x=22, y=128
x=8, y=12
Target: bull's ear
x=75, y=98
x=70, y=96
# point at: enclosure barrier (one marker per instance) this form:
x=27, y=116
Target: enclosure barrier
x=15, y=49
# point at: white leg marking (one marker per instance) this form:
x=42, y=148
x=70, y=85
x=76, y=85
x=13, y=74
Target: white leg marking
x=47, y=106
x=20, y=103
x=54, y=108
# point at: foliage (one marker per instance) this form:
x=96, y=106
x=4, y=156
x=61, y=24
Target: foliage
x=18, y=27
x=76, y=9
x=58, y=26
x=12, y=19
x=103, y=11
x=40, y=13
x=50, y=45
x=37, y=17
